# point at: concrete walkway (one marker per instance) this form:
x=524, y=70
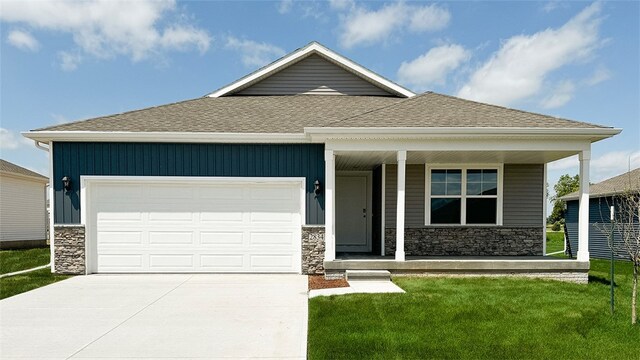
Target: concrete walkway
x=158, y=316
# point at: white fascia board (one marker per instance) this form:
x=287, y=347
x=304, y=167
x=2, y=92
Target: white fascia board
x=313, y=47
x=183, y=137
x=323, y=133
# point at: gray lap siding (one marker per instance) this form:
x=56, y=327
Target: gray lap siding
x=520, y=234
x=75, y=159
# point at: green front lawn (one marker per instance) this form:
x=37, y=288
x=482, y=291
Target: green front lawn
x=16, y=260
x=479, y=318
x=555, y=241
x=14, y=285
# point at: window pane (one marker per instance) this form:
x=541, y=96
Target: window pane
x=453, y=188
x=438, y=189
x=481, y=211
x=474, y=175
x=474, y=188
x=490, y=176
x=489, y=189
x=438, y=175
x=445, y=211
x=454, y=175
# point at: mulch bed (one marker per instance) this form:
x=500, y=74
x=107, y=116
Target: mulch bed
x=319, y=282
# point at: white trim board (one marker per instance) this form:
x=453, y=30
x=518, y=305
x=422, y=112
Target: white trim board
x=86, y=209
x=304, y=52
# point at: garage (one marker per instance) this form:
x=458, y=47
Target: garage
x=174, y=225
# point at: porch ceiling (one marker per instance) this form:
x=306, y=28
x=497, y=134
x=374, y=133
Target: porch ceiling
x=364, y=160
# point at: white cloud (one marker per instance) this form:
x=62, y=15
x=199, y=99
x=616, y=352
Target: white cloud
x=8, y=139
x=104, y=28
x=433, y=66
x=253, y=53
x=23, y=40
x=601, y=74
x=429, y=18
x=341, y=4
x=602, y=167
x=69, y=61
x=613, y=163
x=563, y=164
x=361, y=26
x=518, y=69
x=561, y=94
x=284, y=6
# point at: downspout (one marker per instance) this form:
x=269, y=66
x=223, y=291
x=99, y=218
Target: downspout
x=46, y=218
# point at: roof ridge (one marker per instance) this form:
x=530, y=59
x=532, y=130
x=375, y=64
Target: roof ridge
x=119, y=114
x=514, y=109
x=401, y=101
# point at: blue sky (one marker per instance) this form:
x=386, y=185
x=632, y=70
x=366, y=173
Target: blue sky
x=63, y=61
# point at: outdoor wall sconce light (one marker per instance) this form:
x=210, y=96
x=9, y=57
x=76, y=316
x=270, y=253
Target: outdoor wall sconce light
x=66, y=183
x=316, y=188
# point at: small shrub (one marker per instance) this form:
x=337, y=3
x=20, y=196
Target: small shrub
x=556, y=226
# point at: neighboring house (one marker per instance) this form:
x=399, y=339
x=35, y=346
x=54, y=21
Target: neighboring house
x=23, y=215
x=602, y=197
x=303, y=165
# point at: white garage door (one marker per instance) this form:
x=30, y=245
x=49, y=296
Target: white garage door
x=196, y=226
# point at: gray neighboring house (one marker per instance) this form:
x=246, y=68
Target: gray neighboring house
x=23, y=214
x=602, y=197
x=316, y=165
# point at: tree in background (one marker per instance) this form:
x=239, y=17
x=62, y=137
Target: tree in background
x=565, y=185
x=626, y=228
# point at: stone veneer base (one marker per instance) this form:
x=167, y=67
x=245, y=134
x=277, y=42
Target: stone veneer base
x=69, y=251
x=468, y=241
x=313, y=250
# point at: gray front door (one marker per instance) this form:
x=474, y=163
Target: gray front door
x=351, y=214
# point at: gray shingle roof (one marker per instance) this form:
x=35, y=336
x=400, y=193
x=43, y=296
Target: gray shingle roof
x=291, y=114
x=12, y=168
x=437, y=110
x=235, y=114
x=615, y=185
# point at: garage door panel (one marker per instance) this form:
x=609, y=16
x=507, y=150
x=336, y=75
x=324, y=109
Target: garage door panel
x=221, y=238
x=115, y=261
x=271, y=238
x=164, y=261
x=222, y=262
x=120, y=237
x=213, y=228
x=170, y=237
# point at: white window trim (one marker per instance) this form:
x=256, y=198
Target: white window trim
x=463, y=206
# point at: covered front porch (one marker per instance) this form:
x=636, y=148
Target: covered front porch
x=448, y=206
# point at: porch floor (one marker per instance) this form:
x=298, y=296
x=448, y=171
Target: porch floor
x=456, y=264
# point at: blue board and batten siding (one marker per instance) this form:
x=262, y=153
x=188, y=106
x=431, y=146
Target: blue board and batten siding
x=74, y=159
x=598, y=241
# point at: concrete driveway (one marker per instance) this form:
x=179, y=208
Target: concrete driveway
x=158, y=316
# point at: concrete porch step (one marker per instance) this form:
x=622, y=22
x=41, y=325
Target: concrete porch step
x=379, y=275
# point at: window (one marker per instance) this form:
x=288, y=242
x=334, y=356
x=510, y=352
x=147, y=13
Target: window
x=464, y=196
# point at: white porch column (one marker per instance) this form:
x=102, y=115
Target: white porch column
x=329, y=205
x=583, y=210
x=402, y=163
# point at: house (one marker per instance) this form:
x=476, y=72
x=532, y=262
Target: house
x=23, y=215
x=602, y=197
x=312, y=164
